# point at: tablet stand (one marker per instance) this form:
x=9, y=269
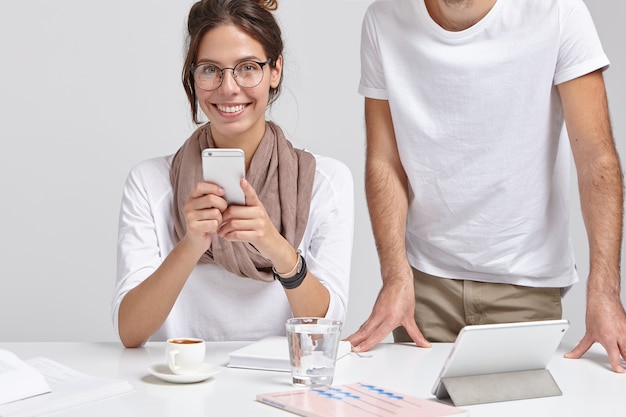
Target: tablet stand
x=506, y=386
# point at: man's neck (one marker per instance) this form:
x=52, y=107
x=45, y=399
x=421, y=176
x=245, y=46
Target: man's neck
x=458, y=15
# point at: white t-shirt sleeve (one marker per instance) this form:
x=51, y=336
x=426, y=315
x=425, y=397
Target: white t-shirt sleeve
x=372, y=83
x=580, y=49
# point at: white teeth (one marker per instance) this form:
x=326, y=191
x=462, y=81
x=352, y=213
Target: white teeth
x=230, y=109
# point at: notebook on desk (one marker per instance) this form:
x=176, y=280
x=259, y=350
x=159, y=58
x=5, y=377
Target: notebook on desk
x=498, y=349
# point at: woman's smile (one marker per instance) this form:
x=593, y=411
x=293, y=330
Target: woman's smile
x=230, y=108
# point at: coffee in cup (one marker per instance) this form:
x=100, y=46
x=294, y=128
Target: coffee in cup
x=185, y=355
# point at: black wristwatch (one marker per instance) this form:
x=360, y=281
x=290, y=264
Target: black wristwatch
x=295, y=280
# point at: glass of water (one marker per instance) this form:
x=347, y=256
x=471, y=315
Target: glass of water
x=313, y=346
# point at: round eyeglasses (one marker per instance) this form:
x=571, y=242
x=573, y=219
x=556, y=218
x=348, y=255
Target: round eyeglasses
x=247, y=74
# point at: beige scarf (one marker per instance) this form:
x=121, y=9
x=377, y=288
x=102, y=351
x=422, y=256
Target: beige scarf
x=283, y=179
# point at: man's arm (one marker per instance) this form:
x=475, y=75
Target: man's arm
x=387, y=199
x=601, y=195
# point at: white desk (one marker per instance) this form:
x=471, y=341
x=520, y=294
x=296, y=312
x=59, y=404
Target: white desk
x=589, y=387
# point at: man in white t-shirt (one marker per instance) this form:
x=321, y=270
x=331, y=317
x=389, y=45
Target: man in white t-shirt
x=468, y=158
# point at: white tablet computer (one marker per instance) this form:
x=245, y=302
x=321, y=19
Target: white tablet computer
x=504, y=347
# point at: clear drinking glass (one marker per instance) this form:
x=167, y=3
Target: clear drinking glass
x=313, y=346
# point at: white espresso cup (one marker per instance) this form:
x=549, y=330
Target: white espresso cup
x=185, y=355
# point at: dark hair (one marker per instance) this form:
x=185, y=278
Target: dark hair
x=251, y=16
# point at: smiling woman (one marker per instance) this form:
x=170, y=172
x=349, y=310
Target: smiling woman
x=191, y=264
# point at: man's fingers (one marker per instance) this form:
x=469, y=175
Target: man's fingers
x=580, y=349
x=360, y=335
x=615, y=359
x=364, y=338
x=371, y=339
x=416, y=335
x=615, y=353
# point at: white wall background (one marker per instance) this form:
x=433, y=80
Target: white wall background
x=88, y=89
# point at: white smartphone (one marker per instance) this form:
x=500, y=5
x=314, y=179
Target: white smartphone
x=225, y=167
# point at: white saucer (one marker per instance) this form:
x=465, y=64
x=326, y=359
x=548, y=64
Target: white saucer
x=162, y=371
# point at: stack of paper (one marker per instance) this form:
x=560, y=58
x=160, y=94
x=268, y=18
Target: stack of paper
x=18, y=380
x=40, y=385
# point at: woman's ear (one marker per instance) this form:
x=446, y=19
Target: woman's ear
x=276, y=72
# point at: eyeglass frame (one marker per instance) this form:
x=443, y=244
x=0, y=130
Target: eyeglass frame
x=193, y=69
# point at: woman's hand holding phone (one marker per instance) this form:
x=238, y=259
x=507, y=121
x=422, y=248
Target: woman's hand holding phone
x=222, y=169
x=227, y=204
x=251, y=223
x=203, y=213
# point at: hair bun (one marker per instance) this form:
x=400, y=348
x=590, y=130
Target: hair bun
x=270, y=5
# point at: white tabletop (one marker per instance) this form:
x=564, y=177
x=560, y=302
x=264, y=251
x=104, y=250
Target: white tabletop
x=589, y=387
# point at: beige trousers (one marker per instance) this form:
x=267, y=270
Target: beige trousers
x=443, y=306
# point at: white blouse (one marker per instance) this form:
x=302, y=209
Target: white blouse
x=215, y=304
